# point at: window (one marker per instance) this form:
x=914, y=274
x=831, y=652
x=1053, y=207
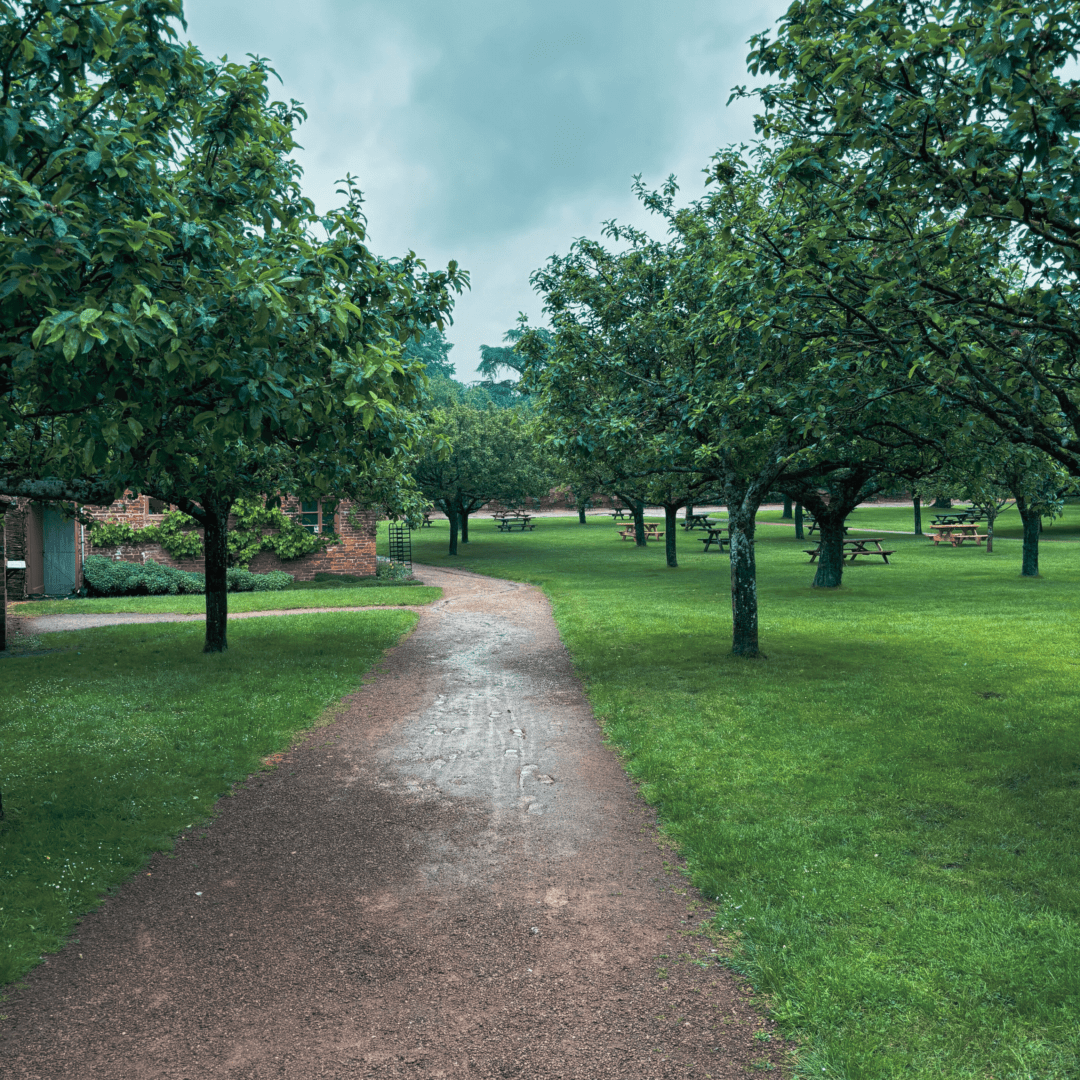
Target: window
x=311, y=516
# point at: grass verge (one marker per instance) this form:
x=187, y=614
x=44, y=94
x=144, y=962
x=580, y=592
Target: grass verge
x=286, y=600
x=113, y=740
x=886, y=811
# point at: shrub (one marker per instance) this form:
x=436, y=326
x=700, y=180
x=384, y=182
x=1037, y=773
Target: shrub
x=109, y=577
x=246, y=581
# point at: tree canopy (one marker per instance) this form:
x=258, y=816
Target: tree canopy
x=177, y=318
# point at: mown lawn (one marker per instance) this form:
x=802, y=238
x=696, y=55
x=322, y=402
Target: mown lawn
x=886, y=810
x=115, y=739
x=288, y=599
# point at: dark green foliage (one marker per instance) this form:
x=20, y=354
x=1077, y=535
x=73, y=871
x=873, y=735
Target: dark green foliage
x=112, y=577
x=433, y=351
x=176, y=534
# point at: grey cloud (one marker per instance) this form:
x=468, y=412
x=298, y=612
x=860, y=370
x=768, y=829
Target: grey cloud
x=485, y=131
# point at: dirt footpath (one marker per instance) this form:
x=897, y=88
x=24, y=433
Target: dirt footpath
x=454, y=880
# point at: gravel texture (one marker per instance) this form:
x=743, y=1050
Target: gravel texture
x=455, y=879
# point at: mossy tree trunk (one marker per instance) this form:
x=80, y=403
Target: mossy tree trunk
x=744, y=604
x=464, y=526
x=452, y=515
x=671, y=523
x=916, y=502
x=830, y=563
x=786, y=515
x=1029, y=559
x=215, y=523
x=637, y=510
x=798, y=522
x=581, y=515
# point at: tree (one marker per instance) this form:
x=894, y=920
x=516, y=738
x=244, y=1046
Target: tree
x=650, y=357
x=494, y=455
x=432, y=350
x=941, y=134
x=995, y=470
x=171, y=323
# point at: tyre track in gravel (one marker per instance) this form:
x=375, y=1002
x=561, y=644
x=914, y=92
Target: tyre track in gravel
x=454, y=879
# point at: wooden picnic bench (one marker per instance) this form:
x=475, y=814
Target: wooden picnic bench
x=854, y=548
x=961, y=517
x=957, y=533
x=515, y=522
x=652, y=532
x=717, y=535
x=812, y=525
x=428, y=520
x=696, y=521
x=618, y=514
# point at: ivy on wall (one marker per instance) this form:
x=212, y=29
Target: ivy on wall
x=176, y=534
x=249, y=535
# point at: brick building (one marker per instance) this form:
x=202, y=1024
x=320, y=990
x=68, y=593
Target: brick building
x=45, y=550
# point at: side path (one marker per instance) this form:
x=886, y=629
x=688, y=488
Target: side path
x=455, y=879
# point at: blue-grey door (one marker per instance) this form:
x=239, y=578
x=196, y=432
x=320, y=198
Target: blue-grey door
x=58, y=535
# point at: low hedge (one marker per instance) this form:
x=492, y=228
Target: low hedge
x=110, y=577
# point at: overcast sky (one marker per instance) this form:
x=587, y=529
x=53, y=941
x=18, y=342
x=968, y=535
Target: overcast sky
x=496, y=133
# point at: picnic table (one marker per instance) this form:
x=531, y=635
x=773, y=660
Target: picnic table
x=812, y=525
x=619, y=513
x=961, y=517
x=428, y=521
x=514, y=521
x=717, y=535
x=696, y=521
x=854, y=548
x=651, y=532
x=957, y=532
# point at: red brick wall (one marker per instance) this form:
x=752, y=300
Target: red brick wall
x=355, y=554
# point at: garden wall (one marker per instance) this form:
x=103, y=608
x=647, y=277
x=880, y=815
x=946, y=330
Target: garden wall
x=355, y=554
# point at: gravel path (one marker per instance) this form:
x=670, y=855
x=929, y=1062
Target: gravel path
x=456, y=879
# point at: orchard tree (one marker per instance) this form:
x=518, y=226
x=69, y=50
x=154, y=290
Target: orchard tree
x=938, y=144
x=173, y=323
x=650, y=359
x=494, y=455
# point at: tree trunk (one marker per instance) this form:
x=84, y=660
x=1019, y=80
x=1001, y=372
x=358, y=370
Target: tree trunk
x=639, y=523
x=464, y=526
x=581, y=515
x=3, y=591
x=830, y=564
x=786, y=515
x=689, y=511
x=216, y=565
x=670, y=524
x=798, y=522
x=991, y=517
x=917, y=504
x=1029, y=565
x=452, y=515
x=744, y=613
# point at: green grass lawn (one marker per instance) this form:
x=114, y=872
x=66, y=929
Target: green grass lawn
x=114, y=740
x=897, y=519
x=351, y=596
x=887, y=810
